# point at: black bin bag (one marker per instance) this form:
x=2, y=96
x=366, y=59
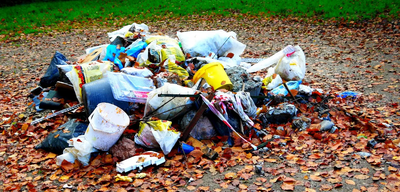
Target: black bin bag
x=52, y=74
x=56, y=141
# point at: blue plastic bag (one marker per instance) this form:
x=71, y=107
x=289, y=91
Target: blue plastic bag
x=348, y=94
x=112, y=54
x=136, y=49
x=282, y=90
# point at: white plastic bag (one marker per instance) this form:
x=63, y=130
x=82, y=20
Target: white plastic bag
x=144, y=56
x=81, y=149
x=291, y=63
x=292, y=66
x=165, y=136
x=154, y=134
x=144, y=72
x=201, y=43
x=121, y=32
x=177, y=104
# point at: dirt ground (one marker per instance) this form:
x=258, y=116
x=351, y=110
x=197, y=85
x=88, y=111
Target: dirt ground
x=361, y=58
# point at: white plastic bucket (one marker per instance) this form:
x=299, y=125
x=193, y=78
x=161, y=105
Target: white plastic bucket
x=106, y=125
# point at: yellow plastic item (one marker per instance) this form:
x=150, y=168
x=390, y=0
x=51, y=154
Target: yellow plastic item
x=215, y=76
x=172, y=51
x=119, y=177
x=174, y=68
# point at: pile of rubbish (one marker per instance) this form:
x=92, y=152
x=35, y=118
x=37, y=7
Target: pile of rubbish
x=143, y=95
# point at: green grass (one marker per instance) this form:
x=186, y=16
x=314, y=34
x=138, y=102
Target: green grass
x=37, y=17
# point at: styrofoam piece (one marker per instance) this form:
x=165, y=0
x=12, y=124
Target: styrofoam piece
x=140, y=161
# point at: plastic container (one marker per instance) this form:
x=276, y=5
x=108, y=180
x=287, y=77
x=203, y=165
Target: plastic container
x=107, y=123
x=100, y=91
x=130, y=88
x=186, y=148
x=215, y=76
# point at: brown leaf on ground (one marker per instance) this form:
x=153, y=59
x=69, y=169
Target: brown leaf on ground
x=137, y=182
x=66, y=166
x=63, y=178
x=287, y=186
x=326, y=187
x=230, y=175
x=315, y=178
x=350, y=182
x=361, y=177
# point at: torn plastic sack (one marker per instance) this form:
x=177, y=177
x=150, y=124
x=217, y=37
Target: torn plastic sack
x=130, y=88
x=168, y=107
x=157, y=133
x=140, y=72
x=228, y=101
x=291, y=63
x=247, y=103
x=174, y=50
x=272, y=80
x=172, y=67
x=57, y=141
x=292, y=67
x=143, y=28
x=151, y=55
x=140, y=161
x=52, y=75
x=113, y=52
x=145, y=136
x=135, y=48
x=160, y=47
x=203, y=128
x=168, y=46
x=166, y=77
x=80, y=149
x=201, y=43
x=86, y=73
x=281, y=90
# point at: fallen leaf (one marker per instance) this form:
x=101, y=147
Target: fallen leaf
x=362, y=177
x=67, y=166
x=137, y=182
x=315, y=178
x=242, y=186
x=204, y=188
x=230, y=175
x=392, y=169
x=63, y=178
x=350, y=182
x=105, y=178
x=310, y=190
x=326, y=187
x=270, y=160
x=287, y=186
